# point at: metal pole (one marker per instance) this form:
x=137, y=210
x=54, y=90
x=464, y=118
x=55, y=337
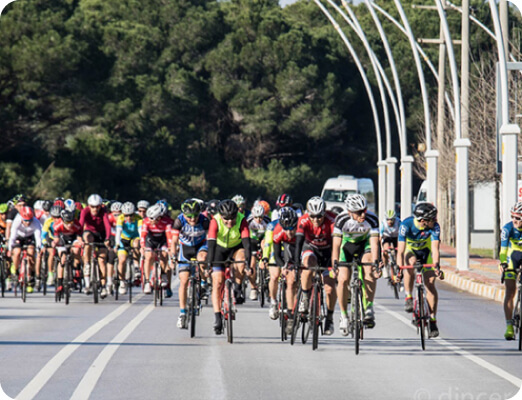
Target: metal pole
x=441, y=119
x=406, y=160
x=390, y=183
x=382, y=189
x=465, y=69
x=504, y=23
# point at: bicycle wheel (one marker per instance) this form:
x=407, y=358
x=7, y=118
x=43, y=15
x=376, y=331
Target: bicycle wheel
x=129, y=272
x=94, y=280
x=518, y=320
x=261, y=286
x=193, y=306
x=2, y=275
x=67, y=279
x=315, y=321
x=44, y=273
x=116, y=280
x=24, y=279
x=282, y=309
x=295, y=316
x=229, y=312
x=155, y=285
x=357, y=317
x=421, y=316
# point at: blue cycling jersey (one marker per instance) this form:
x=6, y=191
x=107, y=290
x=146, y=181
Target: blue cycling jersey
x=190, y=235
x=411, y=233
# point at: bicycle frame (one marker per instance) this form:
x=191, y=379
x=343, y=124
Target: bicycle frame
x=517, y=310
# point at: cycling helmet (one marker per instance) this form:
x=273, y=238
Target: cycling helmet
x=3, y=208
x=46, y=205
x=154, y=212
x=163, y=207
x=94, y=200
x=284, y=200
x=356, y=202
x=143, y=204
x=67, y=216
x=78, y=205
x=239, y=200
x=337, y=210
x=287, y=218
x=56, y=211
x=517, y=209
x=265, y=205
x=59, y=203
x=258, y=210
x=425, y=211
x=390, y=214
x=228, y=209
x=70, y=205
x=116, y=206
x=212, y=206
x=191, y=206
x=59, y=199
x=316, y=206
x=26, y=213
x=37, y=205
x=128, y=208
x=18, y=198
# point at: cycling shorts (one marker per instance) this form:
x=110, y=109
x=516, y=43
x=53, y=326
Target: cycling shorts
x=224, y=254
x=514, y=262
x=156, y=242
x=187, y=253
x=422, y=255
x=98, y=237
x=350, y=250
x=126, y=244
x=24, y=241
x=323, y=256
x=391, y=241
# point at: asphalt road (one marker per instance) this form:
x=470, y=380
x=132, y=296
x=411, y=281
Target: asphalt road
x=118, y=351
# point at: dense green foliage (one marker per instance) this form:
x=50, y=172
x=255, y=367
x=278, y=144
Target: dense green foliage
x=171, y=98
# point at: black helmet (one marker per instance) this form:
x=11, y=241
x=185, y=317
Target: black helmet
x=425, y=211
x=212, y=206
x=56, y=211
x=190, y=206
x=228, y=209
x=284, y=200
x=67, y=216
x=287, y=218
x=46, y=205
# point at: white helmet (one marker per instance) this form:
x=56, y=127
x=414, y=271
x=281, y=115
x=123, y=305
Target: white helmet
x=316, y=206
x=38, y=204
x=116, y=206
x=143, y=204
x=258, y=210
x=128, y=208
x=238, y=199
x=94, y=200
x=154, y=212
x=70, y=205
x=356, y=202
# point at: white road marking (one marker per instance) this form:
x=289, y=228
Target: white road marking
x=93, y=374
x=477, y=360
x=38, y=382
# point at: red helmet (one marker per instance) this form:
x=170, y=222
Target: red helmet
x=79, y=206
x=59, y=203
x=27, y=213
x=284, y=200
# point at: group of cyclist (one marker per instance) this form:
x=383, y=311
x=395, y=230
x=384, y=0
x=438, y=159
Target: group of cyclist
x=210, y=234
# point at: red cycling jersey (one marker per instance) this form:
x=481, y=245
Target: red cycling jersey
x=96, y=224
x=113, y=220
x=156, y=229
x=280, y=235
x=319, y=237
x=60, y=228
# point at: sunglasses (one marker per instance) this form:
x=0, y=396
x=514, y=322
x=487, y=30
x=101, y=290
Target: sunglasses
x=95, y=207
x=426, y=220
x=191, y=216
x=516, y=218
x=292, y=228
x=27, y=220
x=229, y=219
x=316, y=216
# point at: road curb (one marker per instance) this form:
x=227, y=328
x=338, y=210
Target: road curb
x=468, y=284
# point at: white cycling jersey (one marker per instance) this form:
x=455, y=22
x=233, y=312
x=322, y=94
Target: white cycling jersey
x=390, y=231
x=19, y=230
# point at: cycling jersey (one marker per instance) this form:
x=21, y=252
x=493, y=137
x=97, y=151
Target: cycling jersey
x=159, y=231
x=48, y=231
x=511, y=248
x=228, y=237
x=280, y=237
x=353, y=231
x=319, y=237
x=68, y=233
x=257, y=229
x=3, y=226
x=44, y=217
x=19, y=230
x=113, y=220
x=191, y=235
x=11, y=214
x=96, y=224
x=415, y=237
x=269, y=241
x=390, y=231
x=127, y=230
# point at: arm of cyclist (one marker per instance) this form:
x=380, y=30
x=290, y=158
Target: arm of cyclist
x=336, y=252
x=277, y=255
x=374, y=243
x=245, y=239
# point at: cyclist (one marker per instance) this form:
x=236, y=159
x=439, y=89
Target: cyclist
x=389, y=235
x=212, y=209
x=511, y=259
x=241, y=205
x=284, y=250
x=47, y=239
x=356, y=232
x=67, y=231
x=313, y=248
x=228, y=239
x=18, y=203
x=128, y=227
x=284, y=200
x=96, y=228
x=115, y=212
x=26, y=230
x=190, y=232
x=142, y=206
x=419, y=240
x=156, y=230
x=3, y=217
x=257, y=223
x=46, y=211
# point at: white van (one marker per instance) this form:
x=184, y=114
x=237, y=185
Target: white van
x=422, y=195
x=336, y=190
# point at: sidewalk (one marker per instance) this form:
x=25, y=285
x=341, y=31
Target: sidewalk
x=482, y=279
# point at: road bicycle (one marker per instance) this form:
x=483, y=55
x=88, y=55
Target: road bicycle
x=95, y=270
x=68, y=276
x=157, y=281
x=421, y=311
x=262, y=284
x=4, y=264
x=393, y=272
x=194, y=305
x=356, y=304
x=23, y=273
x=517, y=316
